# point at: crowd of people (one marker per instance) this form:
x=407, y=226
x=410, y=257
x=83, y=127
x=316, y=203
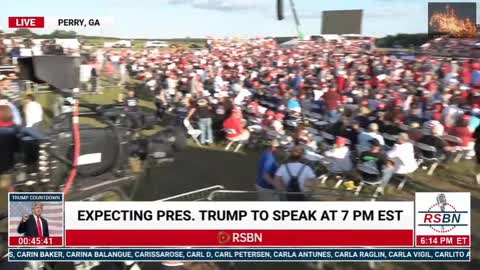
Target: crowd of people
x=377, y=107
x=462, y=47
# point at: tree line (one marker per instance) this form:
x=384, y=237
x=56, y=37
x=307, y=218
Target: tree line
x=390, y=41
x=403, y=40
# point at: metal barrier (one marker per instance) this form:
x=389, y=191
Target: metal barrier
x=323, y=194
x=195, y=195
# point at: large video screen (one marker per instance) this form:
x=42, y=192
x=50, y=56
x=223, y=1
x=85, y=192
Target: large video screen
x=457, y=19
x=342, y=22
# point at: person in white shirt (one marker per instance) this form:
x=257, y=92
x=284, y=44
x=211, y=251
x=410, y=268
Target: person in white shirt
x=33, y=111
x=294, y=168
x=404, y=155
x=218, y=83
x=277, y=123
x=172, y=83
x=364, y=138
x=339, y=157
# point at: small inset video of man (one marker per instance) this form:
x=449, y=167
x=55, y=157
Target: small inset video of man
x=455, y=19
x=35, y=222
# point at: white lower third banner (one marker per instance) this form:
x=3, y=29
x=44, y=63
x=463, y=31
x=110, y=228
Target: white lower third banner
x=237, y=224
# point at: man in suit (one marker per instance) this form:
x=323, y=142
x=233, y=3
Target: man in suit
x=34, y=225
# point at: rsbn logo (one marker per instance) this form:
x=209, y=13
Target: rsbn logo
x=442, y=216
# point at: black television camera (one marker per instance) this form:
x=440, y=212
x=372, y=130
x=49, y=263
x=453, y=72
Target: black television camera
x=49, y=47
x=114, y=154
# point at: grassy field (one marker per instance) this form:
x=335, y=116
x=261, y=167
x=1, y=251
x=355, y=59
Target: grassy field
x=199, y=167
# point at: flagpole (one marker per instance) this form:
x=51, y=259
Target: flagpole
x=297, y=21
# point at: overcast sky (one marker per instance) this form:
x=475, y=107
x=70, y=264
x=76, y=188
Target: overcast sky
x=219, y=18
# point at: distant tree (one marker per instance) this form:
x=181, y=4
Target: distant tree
x=28, y=43
x=403, y=40
x=1, y=32
x=24, y=32
x=63, y=34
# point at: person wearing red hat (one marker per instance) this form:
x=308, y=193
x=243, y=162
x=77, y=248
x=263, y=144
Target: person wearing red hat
x=339, y=157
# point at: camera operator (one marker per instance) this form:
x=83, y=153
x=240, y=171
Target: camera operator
x=131, y=101
x=132, y=109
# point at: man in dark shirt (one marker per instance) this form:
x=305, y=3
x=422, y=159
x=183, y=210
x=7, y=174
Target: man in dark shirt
x=267, y=167
x=393, y=128
x=351, y=133
x=377, y=166
x=374, y=157
x=131, y=108
x=131, y=102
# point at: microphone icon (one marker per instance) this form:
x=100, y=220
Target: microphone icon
x=442, y=202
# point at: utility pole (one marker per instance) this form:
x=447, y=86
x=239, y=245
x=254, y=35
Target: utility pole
x=297, y=21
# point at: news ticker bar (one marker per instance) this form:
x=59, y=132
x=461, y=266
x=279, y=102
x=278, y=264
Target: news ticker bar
x=242, y=254
x=434, y=219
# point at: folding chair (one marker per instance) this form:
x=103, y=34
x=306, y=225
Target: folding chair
x=291, y=124
x=456, y=142
x=313, y=117
x=328, y=138
x=404, y=178
x=254, y=120
x=370, y=176
x=311, y=158
x=229, y=131
x=255, y=134
x=320, y=125
x=271, y=134
x=340, y=177
x=390, y=139
x=424, y=153
x=312, y=130
x=194, y=133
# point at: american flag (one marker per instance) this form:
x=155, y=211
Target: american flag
x=52, y=212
